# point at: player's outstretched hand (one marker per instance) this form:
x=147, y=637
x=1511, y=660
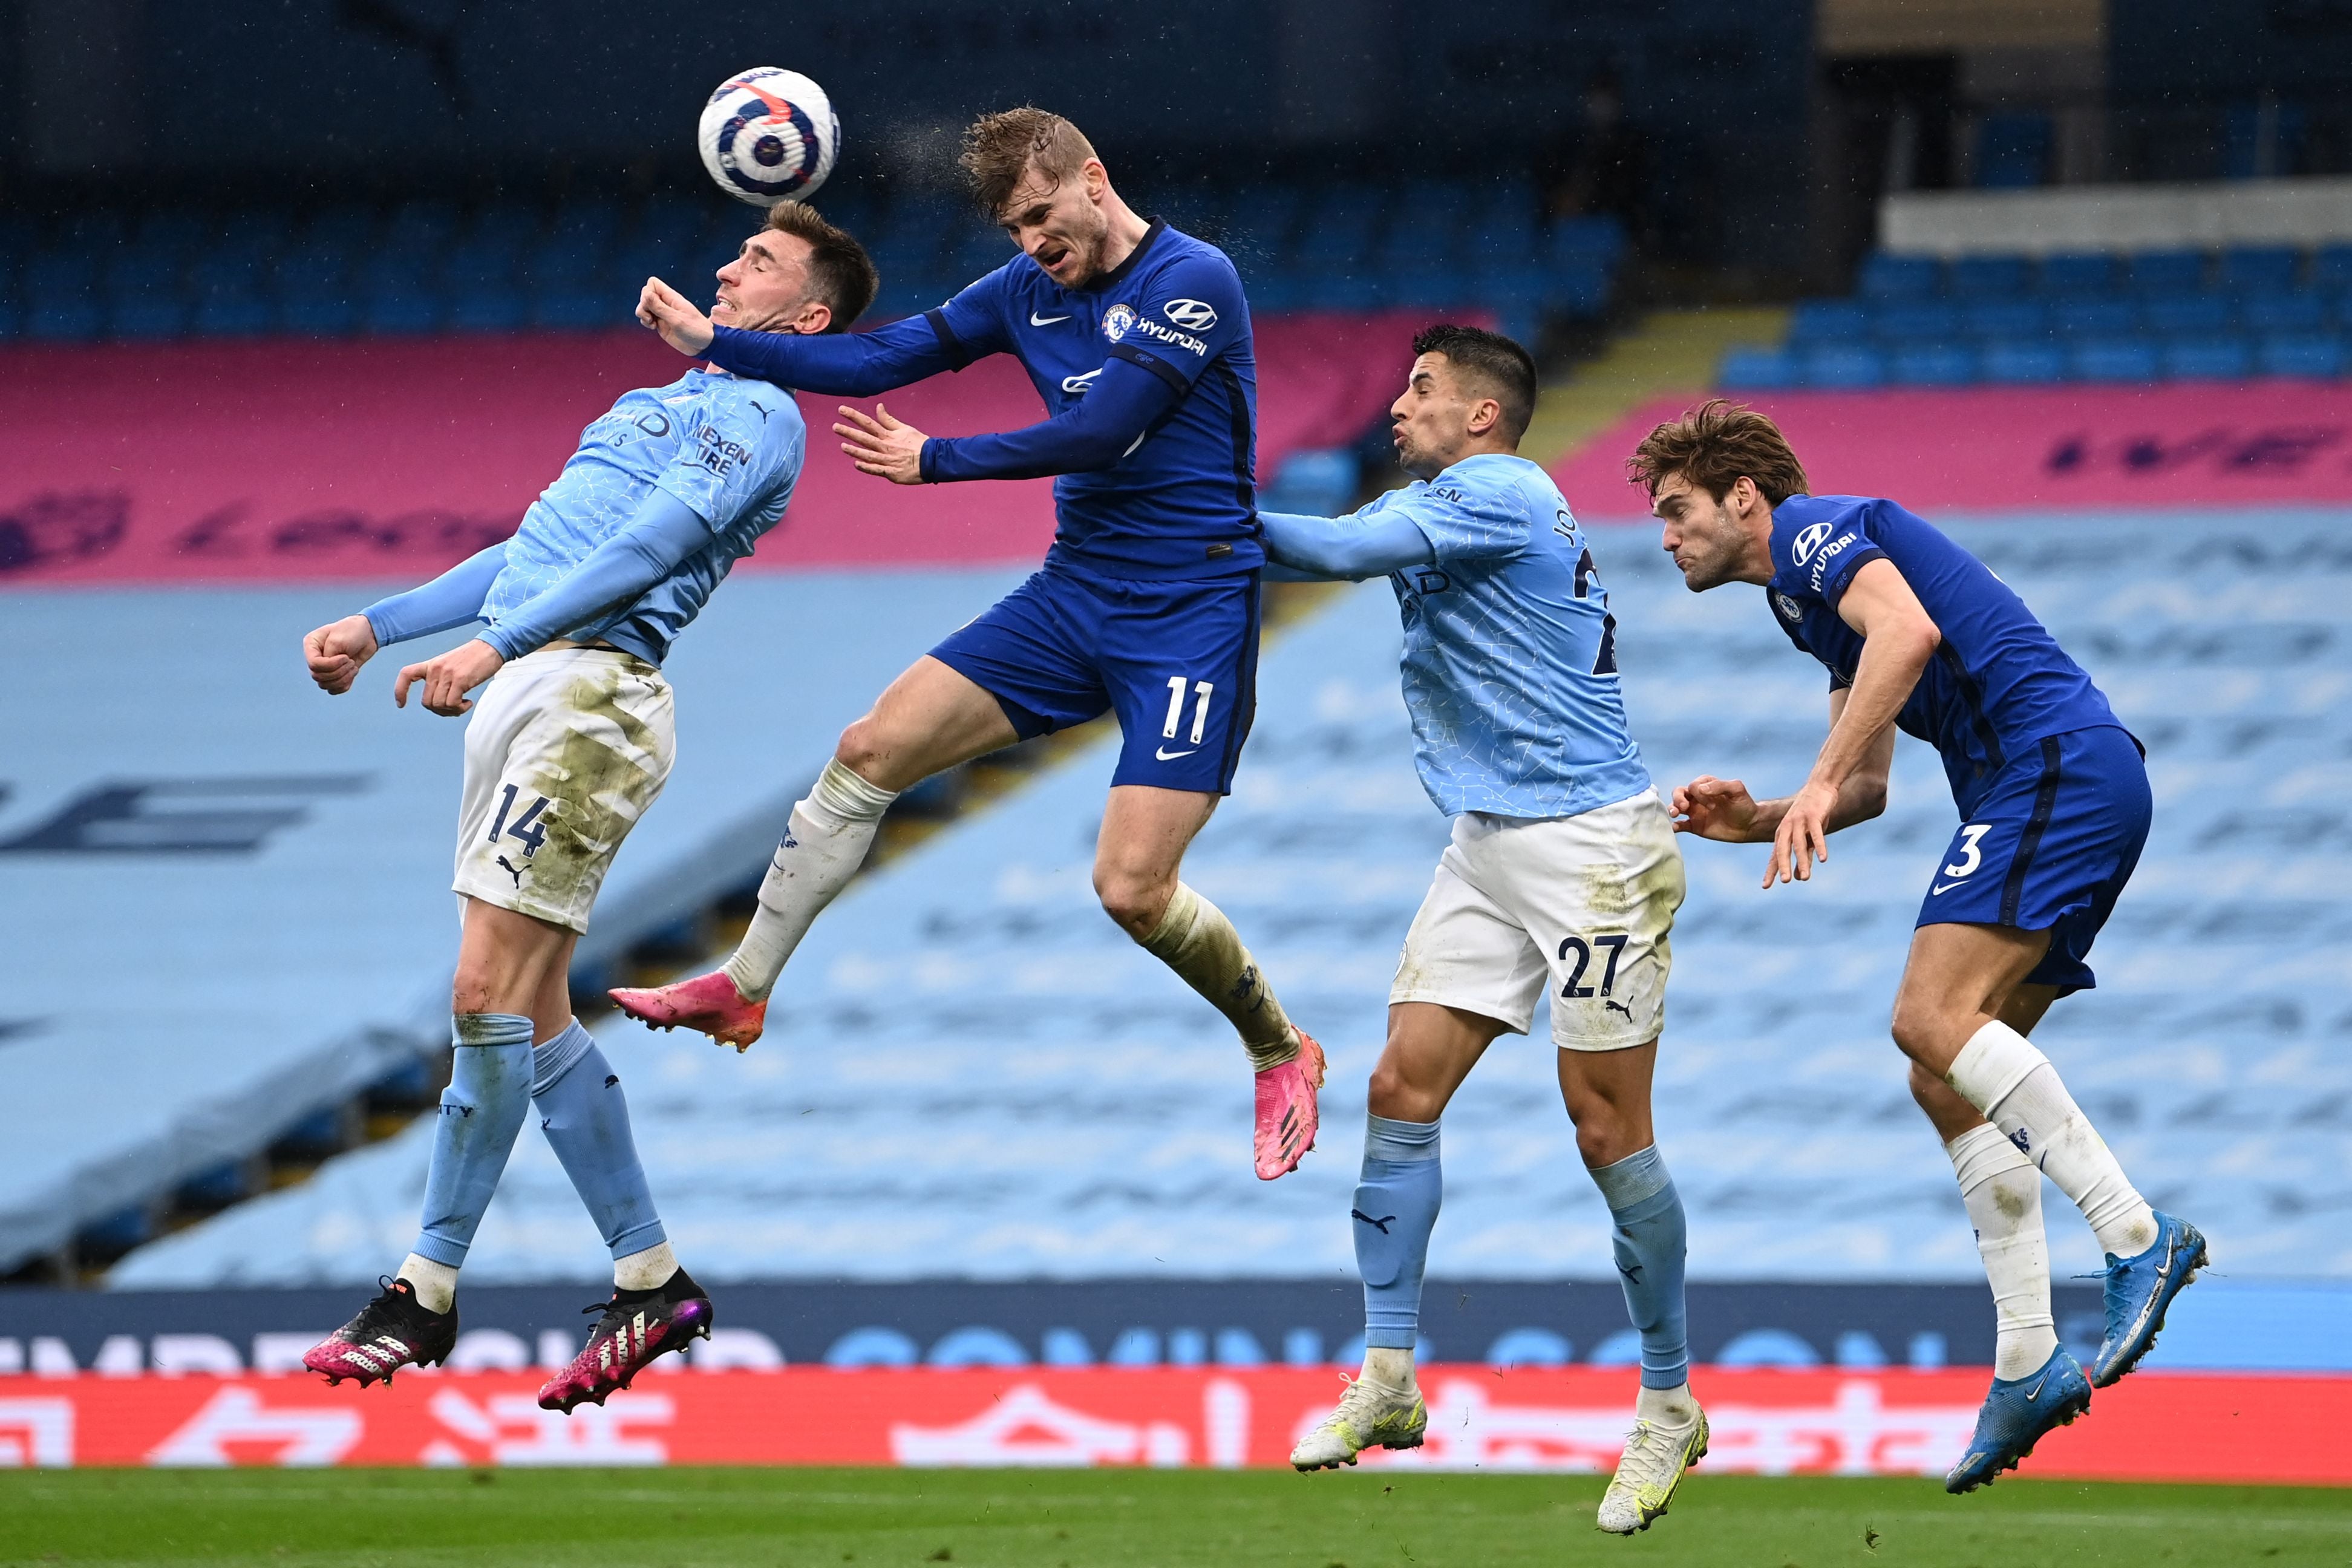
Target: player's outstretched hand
x=448, y=678
x=675, y=317
x=1716, y=809
x=336, y=651
x=881, y=446
x=1803, y=836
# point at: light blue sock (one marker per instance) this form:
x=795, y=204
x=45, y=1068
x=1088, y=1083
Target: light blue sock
x=481, y=1111
x=1649, y=1245
x=1396, y=1208
x=586, y=1119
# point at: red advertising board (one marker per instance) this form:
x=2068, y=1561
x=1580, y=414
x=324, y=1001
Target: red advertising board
x=2176, y=1426
x=2261, y=443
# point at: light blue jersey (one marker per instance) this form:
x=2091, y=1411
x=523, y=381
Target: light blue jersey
x=1510, y=653
x=728, y=448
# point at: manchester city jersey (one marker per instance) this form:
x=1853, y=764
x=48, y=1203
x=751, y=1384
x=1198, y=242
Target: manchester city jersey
x=1510, y=652
x=1999, y=681
x=729, y=448
x=1181, y=503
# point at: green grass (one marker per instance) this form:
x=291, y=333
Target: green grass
x=791, y=1517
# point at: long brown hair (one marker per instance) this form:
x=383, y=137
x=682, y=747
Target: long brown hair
x=1712, y=446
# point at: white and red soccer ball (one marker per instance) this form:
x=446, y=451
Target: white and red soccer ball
x=769, y=135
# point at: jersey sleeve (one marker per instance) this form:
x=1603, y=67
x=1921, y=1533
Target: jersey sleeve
x=1189, y=314
x=1466, y=522
x=972, y=325
x=1830, y=565
x=745, y=449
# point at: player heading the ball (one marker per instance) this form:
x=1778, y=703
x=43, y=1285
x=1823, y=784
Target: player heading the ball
x=1918, y=634
x=1563, y=876
x=568, y=747
x=1138, y=339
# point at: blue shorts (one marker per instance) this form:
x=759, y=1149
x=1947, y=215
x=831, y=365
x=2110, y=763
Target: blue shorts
x=1177, y=661
x=2049, y=848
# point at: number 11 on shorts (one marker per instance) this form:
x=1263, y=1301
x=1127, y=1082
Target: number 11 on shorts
x=1176, y=708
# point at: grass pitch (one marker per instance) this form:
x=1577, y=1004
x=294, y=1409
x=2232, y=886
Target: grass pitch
x=883, y=1518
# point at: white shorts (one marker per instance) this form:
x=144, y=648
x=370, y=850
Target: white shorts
x=1583, y=904
x=564, y=751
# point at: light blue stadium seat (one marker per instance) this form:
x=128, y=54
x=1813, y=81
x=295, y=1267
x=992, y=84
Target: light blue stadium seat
x=1319, y=482
x=2214, y=357
x=2021, y=361
x=2301, y=355
x=1841, y=366
x=1815, y=319
x=1885, y=277
x=1932, y=365
x=2115, y=359
x=2077, y=272
x=1757, y=369
x=1990, y=276
x=2168, y=272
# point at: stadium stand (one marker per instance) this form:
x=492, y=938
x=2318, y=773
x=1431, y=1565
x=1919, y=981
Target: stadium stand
x=425, y=266
x=2145, y=316
x=972, y=1073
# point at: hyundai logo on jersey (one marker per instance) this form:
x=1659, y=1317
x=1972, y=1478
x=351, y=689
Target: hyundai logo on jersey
x=1193, y=315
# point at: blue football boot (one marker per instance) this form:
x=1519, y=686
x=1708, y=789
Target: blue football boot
x=2138, y=1290
x=2016, y=1416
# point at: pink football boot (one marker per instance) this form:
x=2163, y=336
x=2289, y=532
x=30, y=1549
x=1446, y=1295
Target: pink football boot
x=1286, y=1117
x=636, y=1326
x=707, y=1003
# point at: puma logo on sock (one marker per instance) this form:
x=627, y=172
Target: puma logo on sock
x=1381, y=1225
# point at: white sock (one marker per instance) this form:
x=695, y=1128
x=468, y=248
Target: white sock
x=1391, y=1368
x=645, y=1270
x=1196, y=941
x=437, y=1283
x=2003, y=1075
x=2003, y=1195
x=823, y=847
x=1665, y=1406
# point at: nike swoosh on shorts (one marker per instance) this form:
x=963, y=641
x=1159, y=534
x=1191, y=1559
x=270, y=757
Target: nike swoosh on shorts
x=1166, y=755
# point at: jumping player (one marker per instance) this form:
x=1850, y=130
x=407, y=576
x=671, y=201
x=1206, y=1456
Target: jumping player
x=1138, y=339
x=570, y=744
x=1563, y=874
x=2053, y=798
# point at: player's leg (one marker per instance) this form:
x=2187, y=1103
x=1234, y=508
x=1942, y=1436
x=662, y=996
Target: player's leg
x=1431, y=1050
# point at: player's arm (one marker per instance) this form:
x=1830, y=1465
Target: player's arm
x=1722, y=809
x=1898, y=639
x=1110, y=421
x=1321, y=549
x=663, y=533
x=838, y=364
x=335, y=651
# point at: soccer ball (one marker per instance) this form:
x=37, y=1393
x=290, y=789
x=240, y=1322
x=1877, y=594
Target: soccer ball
x=769, y=135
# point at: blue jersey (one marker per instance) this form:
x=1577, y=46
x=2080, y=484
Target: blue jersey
x=728, y=448
x=1510, y=652
x=1182, y=503
x=1999, y=682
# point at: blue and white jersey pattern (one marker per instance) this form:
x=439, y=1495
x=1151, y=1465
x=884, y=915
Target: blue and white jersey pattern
x=1510, y=653
x=729, y=448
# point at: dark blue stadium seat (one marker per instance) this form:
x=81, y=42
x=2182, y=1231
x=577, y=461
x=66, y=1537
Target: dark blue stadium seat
x=1990, y=276
x=2302, y=353
x=1932, y=365
x=1911, y=319
x=1586, y=239
x=1757, y=369
x=2013, y=149
x=2209, y=357
x=2265, y=268
x=2168, y=272
x=2094, y=318
x=2302, y=312
x=1841, y=366
x=61, y=296
x=2331, y=269
x=1888, y=277
x=232, y=285
x=2114, y=359
x=2092, y=272
x=314, y=288
x=395, y=294
x=1819, y=320
x=2188, y=314
x=2017, y=361
x=2005, y=318
x=149, y=308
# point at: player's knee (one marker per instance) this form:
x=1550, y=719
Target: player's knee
x=1926, y=1088
x=1919, y=1032
x=861, y=750
x=1605, y=1134
x=1137, y=903
x=1392, y=1094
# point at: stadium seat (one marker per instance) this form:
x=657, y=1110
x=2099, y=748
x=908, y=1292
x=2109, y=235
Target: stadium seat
x=2316, y=354
x=1902, y=320
x=1885, y=277
x=2094, y=318
x=1757, y=369
x=2005, y=318
x=2267, y=267
x=314, y=288
x=2075, y=273
x=1840, y=367
x=1932, y=365
x=2155, y=272
x=2212, y=357
x=395, y=295
x=2188, y=314
x=2302, y=312
x=1990, y=276
x=232, y=285
x=61, y=296
x=2013, y=149
x=1817, y=319
x=1319, y=482
x=2331, y=269
x=2021, y=361
x=2114, y=359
